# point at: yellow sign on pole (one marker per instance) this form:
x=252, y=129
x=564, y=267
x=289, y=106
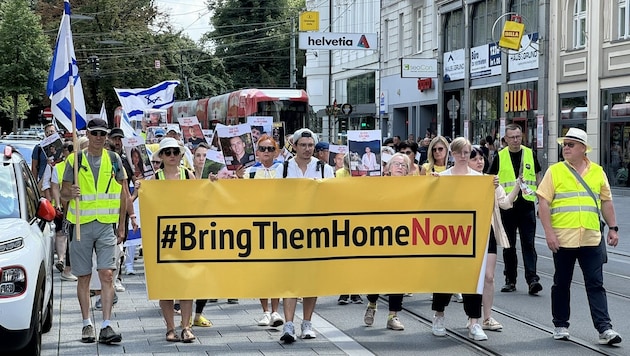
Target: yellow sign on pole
x=309, y=21
x=512, y=35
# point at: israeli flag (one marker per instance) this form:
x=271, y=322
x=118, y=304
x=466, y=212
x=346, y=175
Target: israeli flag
x=136, y=101
x=63, y=72
x=125, y=125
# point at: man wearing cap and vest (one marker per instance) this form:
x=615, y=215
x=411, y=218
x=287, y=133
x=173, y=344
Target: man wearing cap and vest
x=514, y=161
x=100, y=207
x=570, y=215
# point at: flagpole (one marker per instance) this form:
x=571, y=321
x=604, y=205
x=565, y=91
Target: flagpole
x=77, y=150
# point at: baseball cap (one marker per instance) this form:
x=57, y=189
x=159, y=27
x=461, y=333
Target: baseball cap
x=116, y=132
x=175, y=128
x=321, y=146
x=304, y=133
x=159, y=133
x=97, y=125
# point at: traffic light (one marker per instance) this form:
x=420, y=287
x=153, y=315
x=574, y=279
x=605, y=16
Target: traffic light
x=367, y=123
x=343, y=125
x=94, y=60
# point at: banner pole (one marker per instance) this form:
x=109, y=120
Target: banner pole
x=75, y=166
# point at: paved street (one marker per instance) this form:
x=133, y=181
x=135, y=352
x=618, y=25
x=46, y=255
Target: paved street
x=340, y=329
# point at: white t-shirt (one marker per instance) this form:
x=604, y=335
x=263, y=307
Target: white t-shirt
x=471, y=172
x=312, y=170
x=50, y=175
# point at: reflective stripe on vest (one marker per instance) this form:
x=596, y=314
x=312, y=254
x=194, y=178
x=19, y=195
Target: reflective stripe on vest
x=506, y=171
x=572, y=206
x=182, y=174
x=101, y=203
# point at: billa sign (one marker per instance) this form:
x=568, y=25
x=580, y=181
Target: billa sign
x=517, y=100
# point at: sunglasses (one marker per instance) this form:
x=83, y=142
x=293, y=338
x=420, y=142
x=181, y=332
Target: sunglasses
x=156, y=162
x=570, y=144
x=407, y=152
x=98, y=133
x=171, y=151
x=435, y=149
x=266, y=149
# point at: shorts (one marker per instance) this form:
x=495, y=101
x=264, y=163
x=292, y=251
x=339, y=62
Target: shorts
x=95, y=237
x=492, y=243
x=58, y=223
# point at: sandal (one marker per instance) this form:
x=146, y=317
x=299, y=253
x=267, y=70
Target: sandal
x=202, y=322
x=171, y=336
x=187, y=335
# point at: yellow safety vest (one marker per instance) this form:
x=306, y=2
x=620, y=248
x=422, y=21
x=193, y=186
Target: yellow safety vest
x=506, y=172
x=101, y=203
x=572, y=206
x=182, y=174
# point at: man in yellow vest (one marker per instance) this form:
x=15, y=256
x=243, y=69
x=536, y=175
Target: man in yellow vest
x=570, y=216
x=100, y=207
x=516, y=161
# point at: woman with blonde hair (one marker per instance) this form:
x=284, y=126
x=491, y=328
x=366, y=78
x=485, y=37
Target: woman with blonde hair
x=437, y=156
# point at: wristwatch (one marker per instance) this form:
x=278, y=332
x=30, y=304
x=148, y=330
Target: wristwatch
x=615, y=228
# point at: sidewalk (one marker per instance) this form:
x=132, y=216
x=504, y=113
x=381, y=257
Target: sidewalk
x=143, y=329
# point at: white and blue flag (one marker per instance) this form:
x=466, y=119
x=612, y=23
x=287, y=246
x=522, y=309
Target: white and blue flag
x=125, y=125
x=136, y=101
x=64, y=72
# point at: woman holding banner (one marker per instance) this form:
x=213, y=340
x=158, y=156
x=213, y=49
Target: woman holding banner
x=460, y=147
x=266, y=168
x=399, y=164
x=497, y=236
x=171, y=154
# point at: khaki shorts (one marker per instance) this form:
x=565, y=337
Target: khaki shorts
x=95, y=237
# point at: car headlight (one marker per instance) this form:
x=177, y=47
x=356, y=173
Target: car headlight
x=12, y=281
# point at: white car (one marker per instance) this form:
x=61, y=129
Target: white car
x=26, y=257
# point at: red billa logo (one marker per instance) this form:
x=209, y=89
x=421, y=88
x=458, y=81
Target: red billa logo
x=513, y=34
x=363, y=43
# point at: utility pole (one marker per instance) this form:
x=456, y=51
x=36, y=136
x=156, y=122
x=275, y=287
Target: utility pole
x=293, y=65
x=181, y=71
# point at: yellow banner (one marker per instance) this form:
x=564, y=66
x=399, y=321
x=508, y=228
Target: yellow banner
x=511, y=35
x=301, y=237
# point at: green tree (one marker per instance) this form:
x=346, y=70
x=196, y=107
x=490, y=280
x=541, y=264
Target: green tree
x=252, y=38
x=24, y=53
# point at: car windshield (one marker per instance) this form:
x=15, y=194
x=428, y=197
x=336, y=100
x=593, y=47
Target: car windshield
x=25, y=149
x=8, y=193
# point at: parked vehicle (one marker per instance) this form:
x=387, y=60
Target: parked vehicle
x=25, y=144
x=26, y=257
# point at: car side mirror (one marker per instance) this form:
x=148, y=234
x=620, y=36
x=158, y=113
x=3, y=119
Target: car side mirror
x=45, y=210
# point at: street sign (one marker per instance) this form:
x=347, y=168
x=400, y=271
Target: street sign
x=157, y=64
x=47, y=113
x=309, y=21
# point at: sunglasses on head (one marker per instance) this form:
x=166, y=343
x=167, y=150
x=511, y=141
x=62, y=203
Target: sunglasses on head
x=98, y=133
x=437, y=149
x=266, y=149
x=171, y=151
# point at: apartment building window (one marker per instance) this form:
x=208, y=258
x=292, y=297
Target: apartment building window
x=485, y=13
x=529, y=10
x=419, y=37
x=579, y=24
x=623, y=19
x=454, y=31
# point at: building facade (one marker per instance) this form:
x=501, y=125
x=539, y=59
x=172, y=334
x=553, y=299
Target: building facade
x=589, y=75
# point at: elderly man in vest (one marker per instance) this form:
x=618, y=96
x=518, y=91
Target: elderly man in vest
x=100, y=207
x=516, y=161
x=569, y=213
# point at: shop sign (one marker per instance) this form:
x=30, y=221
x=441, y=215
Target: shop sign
x=329, y=40
x=309, y=21
x=454, y=65
x=517, y=100
x=485, y=60
x=527, y=58
x=418, y=67
x=424, y=84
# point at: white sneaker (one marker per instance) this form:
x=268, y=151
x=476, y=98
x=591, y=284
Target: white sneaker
x=561, y=333
x=368, y=318
x=265, y=320
x=457, y=297
x=68, y=277
x=491, y=324
x=476, y=333
x=307, y=330
x=276, y=320
x=609, y=337
x=288, y=333
x=395, y=324
x=118, y=286
x=438, y=328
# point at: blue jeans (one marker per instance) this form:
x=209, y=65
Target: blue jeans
x=523, y=218
x=589, y=259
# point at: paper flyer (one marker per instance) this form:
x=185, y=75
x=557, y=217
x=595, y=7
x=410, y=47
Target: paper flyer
x=53, y=147
x=138, y=157
x=260, y=125
x=364, y=147
x=336, y=154
x=236, y=145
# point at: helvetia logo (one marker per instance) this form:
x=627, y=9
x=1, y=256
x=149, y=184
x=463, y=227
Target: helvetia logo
x=363, y=42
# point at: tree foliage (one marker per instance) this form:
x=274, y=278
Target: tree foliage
x=24, y=53
x=252, y=38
